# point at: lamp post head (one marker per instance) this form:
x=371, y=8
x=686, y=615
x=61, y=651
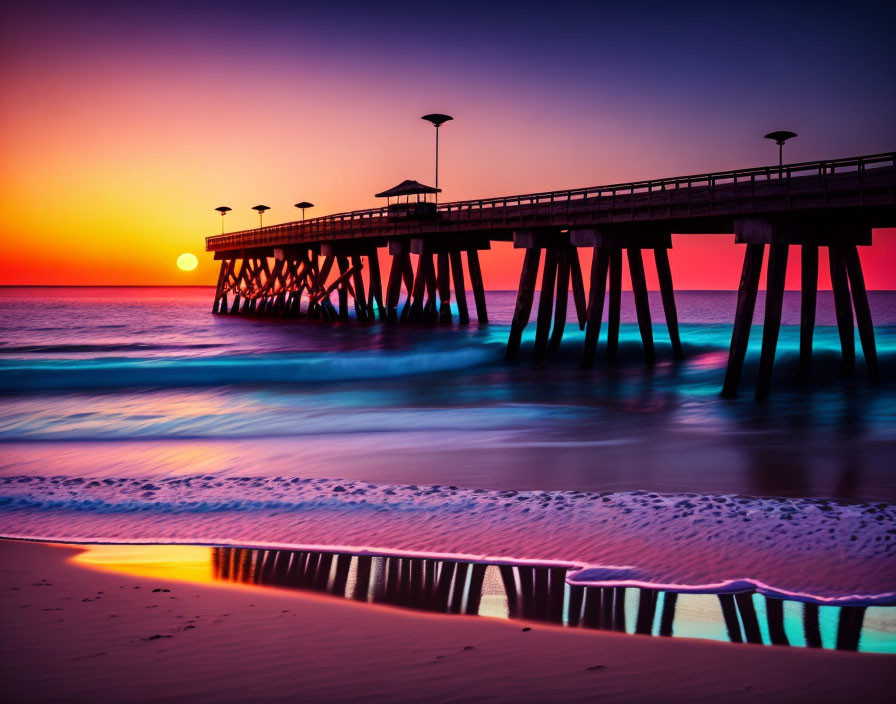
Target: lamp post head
x=223, y=209
x=304, y=204
x=437, y=118
x=260, y=208
x=780, y=136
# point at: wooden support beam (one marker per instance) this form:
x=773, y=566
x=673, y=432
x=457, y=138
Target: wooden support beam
x=340, y=282
x=430, y=310
x=562, y=299
x=615, y=309
x=774, y=299
x=393, y=288
x=239, y=280
x=862, y=309
x=444, y=283
x=457, y=274
x=477, y=285
x=342, y=262
x=361, y=310
x=667, y=291
x=415, y=314
x=578, y=285
x=325, y=269
x=524, y=296
x=809, y=284
x=842, y=307
x=642, y=305
x=407, y=274
x=600, y=263
x=743, y=317
x=376, y=285
x=218, y=289
x=545, y=304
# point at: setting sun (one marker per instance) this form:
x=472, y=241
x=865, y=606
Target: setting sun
x=187, y=262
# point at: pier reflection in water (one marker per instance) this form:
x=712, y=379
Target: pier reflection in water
x=542, y=594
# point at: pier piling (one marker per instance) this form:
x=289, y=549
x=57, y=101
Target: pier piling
x=809, y=285
x=562, y=299
x=642, y=306
x=600, y=263
x=545, y=304
x=524, y=297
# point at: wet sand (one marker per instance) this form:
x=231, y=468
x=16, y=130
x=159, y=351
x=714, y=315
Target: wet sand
x=70, y=633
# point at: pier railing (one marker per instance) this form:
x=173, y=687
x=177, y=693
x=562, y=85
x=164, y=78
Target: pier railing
x=806, y=184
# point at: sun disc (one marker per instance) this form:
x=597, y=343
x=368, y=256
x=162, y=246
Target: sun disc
x=187, y=262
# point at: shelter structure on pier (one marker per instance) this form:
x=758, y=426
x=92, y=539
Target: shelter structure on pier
x=416, y=208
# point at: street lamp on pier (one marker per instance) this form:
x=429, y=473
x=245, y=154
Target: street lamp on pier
x=260, y=209
x=779, y=138
x=304, y=204
x=223, y=209
x=438, y=120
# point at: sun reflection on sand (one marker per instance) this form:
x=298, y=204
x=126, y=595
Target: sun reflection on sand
x=184, y=563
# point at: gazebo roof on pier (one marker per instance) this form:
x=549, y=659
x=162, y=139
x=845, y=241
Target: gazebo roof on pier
x=408, y=188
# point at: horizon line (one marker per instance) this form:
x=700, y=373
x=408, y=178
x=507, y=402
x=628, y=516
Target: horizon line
x=494, y=290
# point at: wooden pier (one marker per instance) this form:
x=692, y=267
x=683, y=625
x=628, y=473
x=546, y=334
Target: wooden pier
x=291, y=270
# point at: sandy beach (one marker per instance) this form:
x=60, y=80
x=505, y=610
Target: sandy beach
x=75, y=634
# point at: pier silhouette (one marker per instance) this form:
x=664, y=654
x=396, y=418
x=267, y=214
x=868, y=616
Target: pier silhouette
x=530, y=593
x=292, y=269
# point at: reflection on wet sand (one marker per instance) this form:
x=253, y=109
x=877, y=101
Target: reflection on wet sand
x=542, y=594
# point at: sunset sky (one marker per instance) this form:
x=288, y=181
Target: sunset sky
x=124, y=124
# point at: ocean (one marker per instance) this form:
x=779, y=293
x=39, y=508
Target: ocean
x=135, y=415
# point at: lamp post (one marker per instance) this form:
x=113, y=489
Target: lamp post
x=223, y=209
x=304, y=204
x=260, y=209
x=438, y=120
x=779, y=138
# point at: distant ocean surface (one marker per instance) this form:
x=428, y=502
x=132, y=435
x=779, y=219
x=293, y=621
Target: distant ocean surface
x=134, y=414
